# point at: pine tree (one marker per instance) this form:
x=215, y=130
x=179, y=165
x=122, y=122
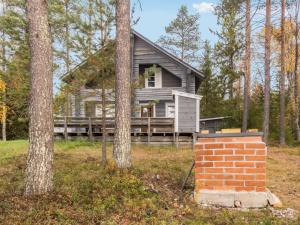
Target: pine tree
x=209, y=86
x=228, y=52
x=247, y=82
x=266, y=120
x=282, y=76
x=122, y=139
x=182, y=36
x=39, y=172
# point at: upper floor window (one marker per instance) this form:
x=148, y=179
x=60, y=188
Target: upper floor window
x=153, y=78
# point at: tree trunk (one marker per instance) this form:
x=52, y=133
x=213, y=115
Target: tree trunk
x=122, y=139
x=39, y=173
x=282, y=77
x=104, y=158
x=247, y=67
x=4, y=108
x=296, y=81
x=266, y=121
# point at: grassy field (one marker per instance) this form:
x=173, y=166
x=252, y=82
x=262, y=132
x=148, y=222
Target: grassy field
x=86, y=193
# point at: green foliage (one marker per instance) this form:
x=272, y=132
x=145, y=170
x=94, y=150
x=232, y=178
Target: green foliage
x=182, y=36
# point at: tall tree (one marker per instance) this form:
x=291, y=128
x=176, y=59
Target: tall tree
x=282, y=76
x=3, y=59
x=183, y=36
x=266, y=121
x=122, y=139
x=296, y=77
x=247, y=82
x=209, y=86
x=39, y=173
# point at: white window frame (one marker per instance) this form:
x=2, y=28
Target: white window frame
x=157, y=79
x=167, y=106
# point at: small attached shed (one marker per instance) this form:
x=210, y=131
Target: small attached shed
x=187, y=112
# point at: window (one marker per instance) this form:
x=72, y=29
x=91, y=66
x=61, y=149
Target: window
x=151, y=80
x=154, y=78
x=170, y=110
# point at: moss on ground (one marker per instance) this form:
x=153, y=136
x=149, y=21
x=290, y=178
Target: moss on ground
x=86, y=193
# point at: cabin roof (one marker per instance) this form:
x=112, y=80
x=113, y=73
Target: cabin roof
x=165, y=52
x=196, y=72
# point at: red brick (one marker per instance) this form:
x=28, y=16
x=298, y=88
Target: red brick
x=224, y=188
x=248, y=139
x=255, y=183
x=213, y=183
x=234, y=170
x=260, y=164
x=261, y=152
x=199, y=170
x=244, y=188
x=255, y=158
x=235, y=145
x=213, y=170
x=213, y=158
x=223, y=152
x=199, y=146
x=260, y=189
x=234, y=158
x=255, y=170
x=203, y=176
x=255, y=146
x=244, y=177
x=198, y=157
x=244, y=164
x=234, y=183
x=244, y=152
x=224, y=139
x=205, y=152
x=203, y=164
x=260, y=177
x=223, y=164
x=206, y=140
x=213, y=146
x=223, y=176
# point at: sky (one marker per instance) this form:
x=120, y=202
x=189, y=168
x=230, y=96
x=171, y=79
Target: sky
x=157, y=14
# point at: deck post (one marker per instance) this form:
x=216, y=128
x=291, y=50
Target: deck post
x=149, y=130
x=90, y=129
x=65, y=128
x=177, y=139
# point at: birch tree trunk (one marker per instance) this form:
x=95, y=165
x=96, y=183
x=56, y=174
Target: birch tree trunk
x=266, y=121
x=122, y=139
x=282, y=77
x=247, y=68
x=4, y=108
x=39, y=172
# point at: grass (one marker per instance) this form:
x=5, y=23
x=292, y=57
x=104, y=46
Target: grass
x=86, y=193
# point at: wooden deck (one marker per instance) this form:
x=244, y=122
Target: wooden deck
x=143, y=130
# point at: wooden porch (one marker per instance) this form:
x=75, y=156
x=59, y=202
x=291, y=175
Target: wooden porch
x=143, y=130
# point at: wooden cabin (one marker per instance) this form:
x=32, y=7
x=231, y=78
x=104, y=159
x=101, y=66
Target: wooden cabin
x=168, y=90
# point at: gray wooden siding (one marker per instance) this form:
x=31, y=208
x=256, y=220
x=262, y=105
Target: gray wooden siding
x=154, y=94
x=169, y=80
x=191, y=83
x=146, y=54
x=186, y=114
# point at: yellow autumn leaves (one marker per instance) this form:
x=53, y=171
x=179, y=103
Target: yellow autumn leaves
x=2, y=104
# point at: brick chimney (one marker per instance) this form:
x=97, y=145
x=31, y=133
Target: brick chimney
x=230, y=170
